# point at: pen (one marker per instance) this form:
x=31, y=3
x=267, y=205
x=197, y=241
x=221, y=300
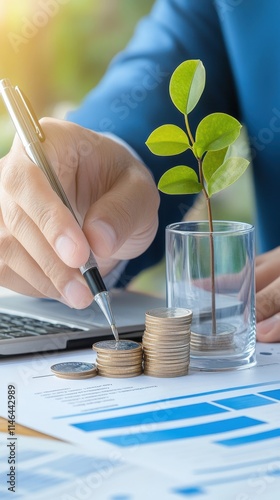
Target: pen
x=31, y=135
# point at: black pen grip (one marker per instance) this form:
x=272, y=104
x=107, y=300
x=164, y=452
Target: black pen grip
x=94, y=280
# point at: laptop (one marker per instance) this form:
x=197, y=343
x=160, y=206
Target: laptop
x=29, y=325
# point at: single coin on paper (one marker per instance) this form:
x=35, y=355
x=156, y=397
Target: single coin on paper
x=74, y=369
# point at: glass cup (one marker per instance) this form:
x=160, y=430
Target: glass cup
x=212, y=273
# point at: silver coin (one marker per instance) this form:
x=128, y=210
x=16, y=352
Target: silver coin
x=113, y=345
x=73, y=367
x=169, y=313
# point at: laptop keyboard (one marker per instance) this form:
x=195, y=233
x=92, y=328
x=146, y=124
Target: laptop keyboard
x=12, y=326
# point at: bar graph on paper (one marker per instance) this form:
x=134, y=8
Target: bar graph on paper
x=238, y=426
x=233, y=407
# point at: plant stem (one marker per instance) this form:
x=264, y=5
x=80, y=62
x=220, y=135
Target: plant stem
x=189, y=130
x=212, y=252
x=210, y=220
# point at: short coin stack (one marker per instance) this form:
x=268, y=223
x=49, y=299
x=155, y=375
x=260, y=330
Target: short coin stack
x=74, y=370
x=119, y=359
x=166, y=342
x=205, y=340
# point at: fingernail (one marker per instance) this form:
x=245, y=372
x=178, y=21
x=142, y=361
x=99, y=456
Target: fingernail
x=77, y=295
x=107, y=233
x=65, y=247
x=266, y=325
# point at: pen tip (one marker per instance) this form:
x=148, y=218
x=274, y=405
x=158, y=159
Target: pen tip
x=115, y=332
x=103, y=300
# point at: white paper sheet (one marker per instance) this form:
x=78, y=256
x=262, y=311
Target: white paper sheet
x=202, y=436
x=49, y=469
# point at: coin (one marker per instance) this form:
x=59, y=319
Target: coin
x=169, y=313
x=161, y=374
x=119, y=359
x=166, y=342
x=114, y=374
x=113, y=345
x=74, y=370
x=205, y=340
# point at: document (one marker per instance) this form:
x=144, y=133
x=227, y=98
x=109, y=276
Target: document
x=50, y=469
x=202, y=436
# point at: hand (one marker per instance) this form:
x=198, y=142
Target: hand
x=41, y=244
x=268, y=296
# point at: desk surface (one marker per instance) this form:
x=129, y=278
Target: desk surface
x=22, y=430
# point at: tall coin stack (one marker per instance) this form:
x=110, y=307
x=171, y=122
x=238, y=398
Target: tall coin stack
x=166, y=342
x=119, y=359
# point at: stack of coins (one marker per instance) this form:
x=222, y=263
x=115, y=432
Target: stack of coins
x=119, y=359
x=166, y=342
x=202, y=338
x=74, y=370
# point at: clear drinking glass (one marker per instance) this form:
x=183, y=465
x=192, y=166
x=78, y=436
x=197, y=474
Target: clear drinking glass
x=213, y=275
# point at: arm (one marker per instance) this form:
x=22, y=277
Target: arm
x=114, y=194
x=132, y=99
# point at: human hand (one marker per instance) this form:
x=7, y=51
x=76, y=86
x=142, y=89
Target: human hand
x=268, y=296
x=41, y=244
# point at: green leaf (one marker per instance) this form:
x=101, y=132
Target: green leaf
x=168, y=140
x=179, y=180
x=212, y=161
x=187, y=84
x=226, y=174
x=215, y=131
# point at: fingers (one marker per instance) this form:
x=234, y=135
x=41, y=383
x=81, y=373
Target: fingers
x=267, y=268
x=16, y=262
x=112, y=193
x=267, y=286
x=268, y=301
x=37, y=267
x=11, y=280
x=29, y=188
x=123, y=222
x=268, y=330
x=32, y=241
x=268, y=296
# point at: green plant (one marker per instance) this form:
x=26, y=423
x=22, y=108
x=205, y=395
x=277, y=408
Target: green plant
x=211, y=145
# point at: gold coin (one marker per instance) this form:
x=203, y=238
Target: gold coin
x=159, y=374
x=113, y=374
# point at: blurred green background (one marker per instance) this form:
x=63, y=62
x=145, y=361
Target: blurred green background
x=57, y=50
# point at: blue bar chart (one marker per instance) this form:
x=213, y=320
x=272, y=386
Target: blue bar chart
x=228, y=407
x=229, y=420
